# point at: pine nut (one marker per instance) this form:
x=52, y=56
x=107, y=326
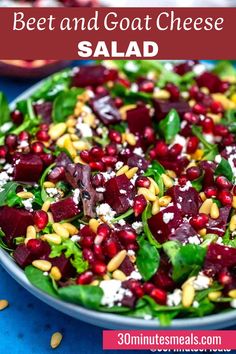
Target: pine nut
x=78, y=159
x=116, y=261
x=234, y=202
x=30, y=232
x=60, y=230
x=74, y=137
x=216, y=117
x=57, y=130
x=188, y=281
x=71, y=122
x=197, y=155
x=130, y=173
x=147, y=194
x=56, y=340
x=232, y=293
x=48, y=184
x=155, y=207
x=206, y=206
x=61, y=141
x=188, y=295
x=203, y=196
x=43, y=265
x=202, y=232
x=214, y=295
x=50, y=218
x=168, y=182
x=90, y=120
x=123, y=110
x=55, y=273
x=130, y=138
x=122, y=170
x=71, y=130
x=119, y=275
x=171, y=174
x=80, y=145
x=53, y=238
x=46, y=205
x=154, y=185
x=164, y=201
x=25, y=195
x=214, y=213
x=69, y=147
x=161, y=94
x=232, y=224
x=94, y=283
x=106, y=277
x=70, y=228
x=3, y=304
x=93, y=224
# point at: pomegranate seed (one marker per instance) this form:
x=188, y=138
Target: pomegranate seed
x=3, y=152
x=149, y=135
x=111, y=247
x=211, y=192
x=85, y=278
x=96, y=152
x=160, y=296
x=111, y=149
x=37, y=147
x=175, y=150
x=225, y=278
x=194, y=91
x=98, y=252
x=47, y=159
x=174, y=91
x=42, y=135
x=228, y=140
x=220, y=130
x=161, y=149
x=207, y=125
x=86, y=241
x=142, y=181
x=127, y=236
x=139, y=205
x=36, y=246
x=100, y=90
x=118, y=102
x=40, y=219
x=97, y=166
x=199, y=109
x=115, y=136
x=99, y=268
x=216, y=107
x=44, y=126
x=234, y=190
x=146, y=86
x=109, y=161
x=57, y=174
x=98, y=180
x=133, y=246
x=199, y=221
x=223, y=183
x=148, y=287
x=191, y=117
x=223, y=86
x=11, y=141
x=124, y=82
x=192, y=144
x=182, y=180
x=88, y=255
x=86, y=231
x=111, y=75
x=17, y=117
x=103, y=230
x=152, y=154
x=225, y=197
x=193, y=173
x=85, y=155
x=24, y=136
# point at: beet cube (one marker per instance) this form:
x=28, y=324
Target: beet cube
x=14, y=222
x=209, y=80
x=138, y=119
x=186, y=199
x=127, y=266
x=219, y=257
x=22, y=256
x=28, y=168
x=64, y=265
x=92, y=75
x=164, y=223
x=162, y=108
x=183, y=232
x=218, y=226
x=177, y=165
x=44, y=110
x=137, y=161
x=119, y=193
x=105, y=109
x=64, y=209
x=63, y=160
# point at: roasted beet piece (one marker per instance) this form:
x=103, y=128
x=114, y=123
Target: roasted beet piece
x=63, y=160
x=183, y=232
x=219, y=257
x=119, y=193
x=28, y=168
x=127, y=266
x=105, y=109
x=92, y=75
x=138, y=119
x=14, y=222
x=209, y=80
x=64, y=209
x=65, y=266
x=23, y=256
x=162, y=280
x=44, y=110
x=218, y=226
x=79, y=176
x=178, y=164
x=162, y=108
x=164, y=223
x=187, y=200
x=137, y=161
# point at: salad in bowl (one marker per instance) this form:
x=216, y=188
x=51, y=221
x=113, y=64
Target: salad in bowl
x=117, y=187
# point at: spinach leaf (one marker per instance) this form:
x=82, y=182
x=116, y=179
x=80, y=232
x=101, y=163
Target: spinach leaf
x=210, y=150
x=188, y=260
x=39, y=280
x=44, y=194
x=145, y=216
x=225, y=69
x=171, y=248
x=8, y=193
x=224, y=169
x=197, y=183
x=230, y=120
x=64, y=104
x=170, y=126
x=129, y=96
x=148, y=259
x=4, y=109
x=155, y=171
x=86, y=295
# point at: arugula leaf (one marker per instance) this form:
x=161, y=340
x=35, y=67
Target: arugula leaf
x=2, y=243
x=148, y=259
x=155, y=171
x=4, y=109
x=210, y=150
x=145, y=216
x=44, y=194
x=170, y=126
x=124, y=215
x=8, y=193
x=64, y=104
x=39, y=280
x=87, y=295
x=73, y=252
x=224, y=169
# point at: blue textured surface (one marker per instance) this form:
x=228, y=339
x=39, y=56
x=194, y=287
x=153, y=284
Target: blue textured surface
x=26, y=326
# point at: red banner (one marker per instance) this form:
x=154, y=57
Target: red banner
x=170, y=340
x=127, y=33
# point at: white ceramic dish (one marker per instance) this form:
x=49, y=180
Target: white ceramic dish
x=105, y=320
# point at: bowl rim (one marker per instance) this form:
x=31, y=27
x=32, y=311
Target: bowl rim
x=103, y=319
